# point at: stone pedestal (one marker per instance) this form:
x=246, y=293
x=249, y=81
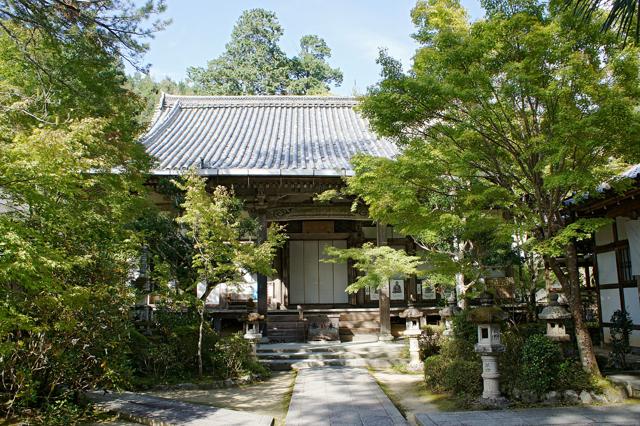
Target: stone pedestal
x=415, y=363
x=490, y=377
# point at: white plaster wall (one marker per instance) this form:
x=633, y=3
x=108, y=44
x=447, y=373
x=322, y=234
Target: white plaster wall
x=609, y=302
x=604, y=235
x=632, y=304
x=634, y=339
x=607, y=268
x=620, y=225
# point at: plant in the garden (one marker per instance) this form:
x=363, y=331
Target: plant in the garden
x=621, y=328
x=516, y=114
x=216, y=224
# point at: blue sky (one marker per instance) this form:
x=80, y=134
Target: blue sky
x=353, y=29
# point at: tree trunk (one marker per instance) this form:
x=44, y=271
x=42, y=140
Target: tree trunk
x=200, y=332
x=571, y=286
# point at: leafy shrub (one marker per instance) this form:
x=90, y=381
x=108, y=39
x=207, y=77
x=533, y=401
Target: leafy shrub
x=456, y=369
x=170, y=353
x=430, y=341
x=539, y=364
x=510, y=362
x=571, y=375
x=621, y=326
x=453, y=375
x=463, y=328
x=233, y=357
x=80, y=341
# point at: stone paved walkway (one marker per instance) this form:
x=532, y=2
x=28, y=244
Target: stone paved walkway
x=332, y=396
x=601, y=415
x=156, y=411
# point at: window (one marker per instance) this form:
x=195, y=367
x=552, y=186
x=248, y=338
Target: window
x=624, y=262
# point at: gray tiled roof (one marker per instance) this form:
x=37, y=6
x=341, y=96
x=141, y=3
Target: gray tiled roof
x=260, y=135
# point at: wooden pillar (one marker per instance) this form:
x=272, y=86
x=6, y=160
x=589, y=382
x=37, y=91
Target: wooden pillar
x=384, y=302
x=262, y=279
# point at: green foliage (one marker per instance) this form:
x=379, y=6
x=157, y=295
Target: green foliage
x=150, y=91
x=430, y=341
x=216, y=225
x=72, y=339
x=233, y=357
x=539, y=364
x=463, y=328
x=65, y=242
x=621, y=327
x=515, y=113
x=456, y=369
x=571, y=375
x=170, y=352
x=254, y=64
x=378, y=264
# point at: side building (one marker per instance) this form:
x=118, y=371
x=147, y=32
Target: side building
x=278, y=153
x=616, y=254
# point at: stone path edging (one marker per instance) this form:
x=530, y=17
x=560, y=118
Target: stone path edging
x=154, y=411
x=628, y=414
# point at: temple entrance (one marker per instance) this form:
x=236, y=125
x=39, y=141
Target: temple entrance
x=313, y=281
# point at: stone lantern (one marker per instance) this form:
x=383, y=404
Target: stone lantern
x=555, y=315
x=488, y=318
x=448, y=313
x=252, y=329
x=412, y=317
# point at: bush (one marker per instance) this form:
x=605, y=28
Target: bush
x=539, y=364
x=571, y=375
x=170, y=353
x=463, y=328
x=443, y=374
x=79, y=341
x=620, y=331
x=456, y=369
x=430, y=341
x=233, y=357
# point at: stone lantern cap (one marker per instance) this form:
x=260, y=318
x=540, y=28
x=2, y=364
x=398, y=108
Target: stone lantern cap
x=411, y=313
x=254, y=316
x=554, y=311
x=450, y=310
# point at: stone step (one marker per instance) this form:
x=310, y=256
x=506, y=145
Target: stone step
x=322, y=355
x=359, y=316
x=286, y=324
x=284, y=365
x=279, y=318
x=359, y=324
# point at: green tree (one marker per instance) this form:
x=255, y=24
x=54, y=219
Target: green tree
x=530, y=107
x=254, y=64
x=150, y=91
x=65, y=127
x=216, y=225
x=118, y=27
x=310, y=73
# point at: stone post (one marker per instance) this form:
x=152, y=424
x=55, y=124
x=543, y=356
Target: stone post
x=252, y=330
x=448, y=313
x=412, y=332
x=555, y=315
x=488, y=318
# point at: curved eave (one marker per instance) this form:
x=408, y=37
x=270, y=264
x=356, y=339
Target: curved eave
x=259, y=172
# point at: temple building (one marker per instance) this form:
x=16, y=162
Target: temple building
x=615, y=259
x=278, y=153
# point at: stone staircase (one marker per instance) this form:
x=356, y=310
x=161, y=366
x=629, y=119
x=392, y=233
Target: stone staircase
x=292, y=356
x=285, y=327
x=359, y=326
